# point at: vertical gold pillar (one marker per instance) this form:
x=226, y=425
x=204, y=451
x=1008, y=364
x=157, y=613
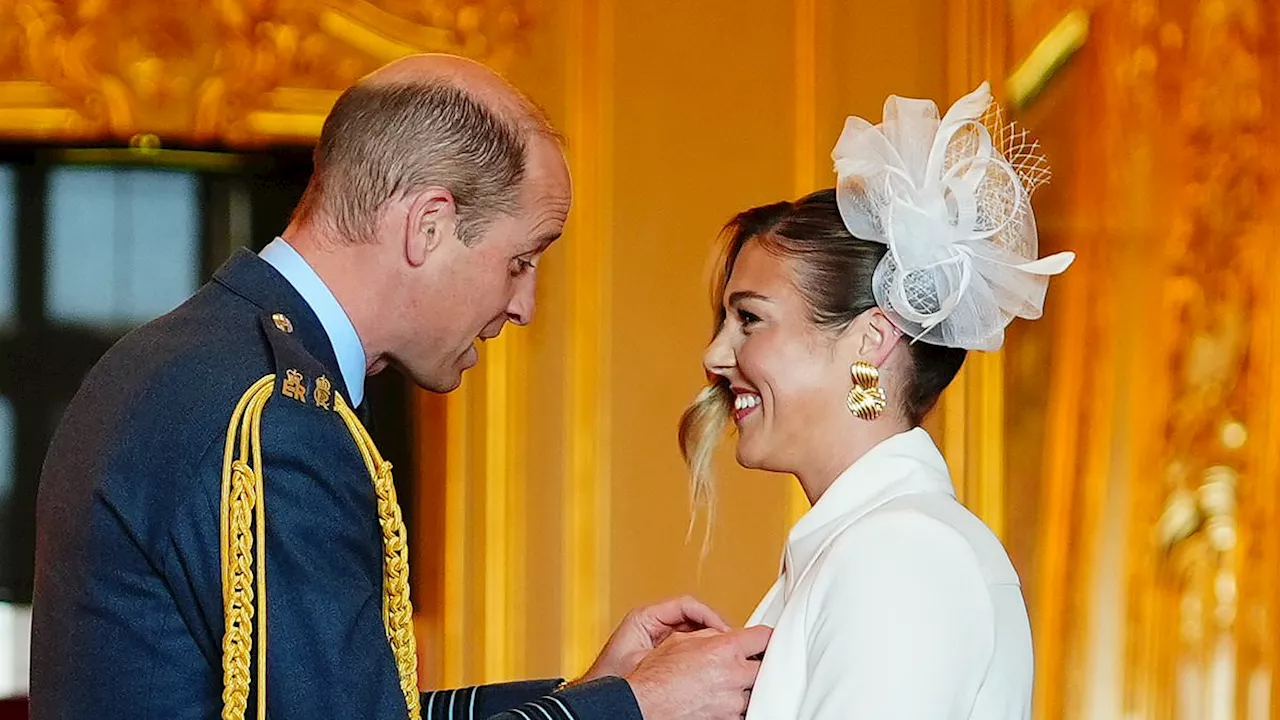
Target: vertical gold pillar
x=974, y=436
x=456, y=568
x=484, y=568
x=504, y=506
x=585, y=580
x=806, y=142
x=973, y=406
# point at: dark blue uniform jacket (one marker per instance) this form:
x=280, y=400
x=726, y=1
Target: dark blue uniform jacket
x=128, y=619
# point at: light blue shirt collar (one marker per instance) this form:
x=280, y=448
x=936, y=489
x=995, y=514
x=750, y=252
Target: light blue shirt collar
x=342, y=334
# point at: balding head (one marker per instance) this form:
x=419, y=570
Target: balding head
x=422, y=121
x=485, y=85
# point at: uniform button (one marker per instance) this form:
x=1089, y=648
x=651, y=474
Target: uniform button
x=282, y=322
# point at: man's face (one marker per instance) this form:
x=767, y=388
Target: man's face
x=472, y=291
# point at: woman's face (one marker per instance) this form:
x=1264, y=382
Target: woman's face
x=789, y=377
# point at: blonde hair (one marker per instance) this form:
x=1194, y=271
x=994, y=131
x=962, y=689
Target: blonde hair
x=702, y=426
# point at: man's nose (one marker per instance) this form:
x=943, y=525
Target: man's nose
x=520, y=309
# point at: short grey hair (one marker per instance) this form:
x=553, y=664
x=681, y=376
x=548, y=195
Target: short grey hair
x=383, y=141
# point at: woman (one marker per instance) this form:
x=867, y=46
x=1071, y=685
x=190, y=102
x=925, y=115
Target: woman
x=842, y=317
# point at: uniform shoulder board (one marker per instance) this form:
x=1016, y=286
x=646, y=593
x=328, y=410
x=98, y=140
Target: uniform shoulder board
x=299, y=375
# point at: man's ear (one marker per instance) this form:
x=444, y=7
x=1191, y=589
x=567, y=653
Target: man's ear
x=431, y=219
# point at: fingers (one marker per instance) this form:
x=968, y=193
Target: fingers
x=687, y=610
x=750, y=671
x=684, y=636
x=701, y=614
x=679, y=614
x=686, y=627
x=753, y=640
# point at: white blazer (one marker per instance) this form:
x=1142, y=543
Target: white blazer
x=894, y=602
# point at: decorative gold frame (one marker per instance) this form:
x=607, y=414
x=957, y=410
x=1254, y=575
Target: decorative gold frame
x=228, y=72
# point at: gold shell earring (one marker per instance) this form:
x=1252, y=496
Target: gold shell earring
x=867, y=400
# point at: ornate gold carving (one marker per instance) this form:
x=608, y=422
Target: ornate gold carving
x=1161, y=392
x=1208, y=568
x=230, y=71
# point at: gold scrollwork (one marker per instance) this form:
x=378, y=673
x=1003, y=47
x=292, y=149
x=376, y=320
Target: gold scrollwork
x=1206, y=60
x=233, y=72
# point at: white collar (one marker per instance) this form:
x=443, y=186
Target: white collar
x=905, y=463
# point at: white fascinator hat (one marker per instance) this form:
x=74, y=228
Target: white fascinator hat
x=951, y=198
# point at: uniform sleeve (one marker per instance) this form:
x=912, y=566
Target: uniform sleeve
x=603, y=699
x=900, y=623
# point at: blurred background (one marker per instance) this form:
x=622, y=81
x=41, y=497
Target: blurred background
x=1125, y=448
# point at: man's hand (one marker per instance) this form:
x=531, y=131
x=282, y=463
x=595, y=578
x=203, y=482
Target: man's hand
x=705, y=675
x=644, y=629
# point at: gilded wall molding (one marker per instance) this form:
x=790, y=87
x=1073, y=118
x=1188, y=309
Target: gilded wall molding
x=234, y=72
x=1208, y=607
x=973, y=406
x=457, y=569
x=586, y=576
x=805, y=176
x=504, y=507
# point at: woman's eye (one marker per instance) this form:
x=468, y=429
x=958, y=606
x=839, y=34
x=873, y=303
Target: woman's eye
x=747, y=319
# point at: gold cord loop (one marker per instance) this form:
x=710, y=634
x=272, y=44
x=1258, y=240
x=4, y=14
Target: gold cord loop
x=397, y=610
x=242, y=534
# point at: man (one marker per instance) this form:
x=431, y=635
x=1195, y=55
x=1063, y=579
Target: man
x=217, y=448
